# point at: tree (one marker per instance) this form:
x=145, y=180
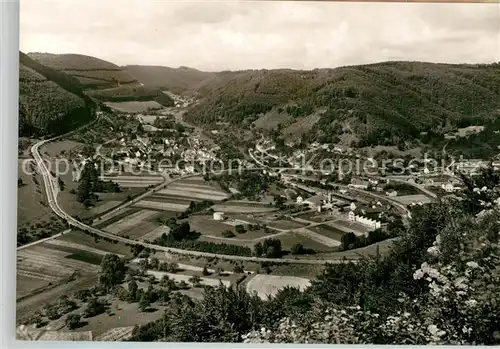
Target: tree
x=72, y=321
x=240, y=229
x=132, y=291
x=205, y=271
x=154, y=263
x=258, y=249
x=279, y=201
x=195, y=280
x=112, y=271
x=238, y=269
x=20, y=182
x=144, y=303
x=94, y=307
x=272, y=248
x=172, y=267
x=297, y=249
x=348, y=241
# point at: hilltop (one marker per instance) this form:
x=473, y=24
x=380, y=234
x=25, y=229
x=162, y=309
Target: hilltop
x=176, y=80
x=102, y=80
x=386, y=103
x=50, y=102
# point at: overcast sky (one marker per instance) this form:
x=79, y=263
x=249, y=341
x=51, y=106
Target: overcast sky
x=222, y=35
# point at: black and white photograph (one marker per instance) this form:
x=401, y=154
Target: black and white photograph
x=299, y=172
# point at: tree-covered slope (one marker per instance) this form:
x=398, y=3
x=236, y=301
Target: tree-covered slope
x=381, y=103
x=50, y=102
x=176, y=80
x=101, y=79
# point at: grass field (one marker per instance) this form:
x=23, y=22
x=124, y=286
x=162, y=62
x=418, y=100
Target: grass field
x=207, y=226
x=285, y=224
x=291, y=238
x=319, y=238
x=348, y=226
x=155, y=233
x=269, y=285
x=63, y=148
x=328, y=231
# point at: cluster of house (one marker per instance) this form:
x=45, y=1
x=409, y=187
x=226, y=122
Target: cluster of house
x=368, y=215
x=448, y=184
x=374, y=184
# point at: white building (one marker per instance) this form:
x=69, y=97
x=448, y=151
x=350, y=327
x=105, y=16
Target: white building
x=371, y=223
x=218, y=216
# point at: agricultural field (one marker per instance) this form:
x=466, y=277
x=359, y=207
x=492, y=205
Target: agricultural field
x=289, y=239
x=177, y=196
x=213, y=230
x=269, y=285
x=161, y=206
x=243, y=207
x=190, y=192
x=49, y=264
x=51, y=269
x=125, y=181
x=349, y=226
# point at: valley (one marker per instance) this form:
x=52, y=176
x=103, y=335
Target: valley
x=159, y=204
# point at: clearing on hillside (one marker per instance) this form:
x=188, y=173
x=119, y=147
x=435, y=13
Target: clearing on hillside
x=134, y=106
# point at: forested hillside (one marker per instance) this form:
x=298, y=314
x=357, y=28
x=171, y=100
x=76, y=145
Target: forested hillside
x=50, y=102
x=176, y=80
x=384, y=103
x=439, y=284
x=101, y=79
